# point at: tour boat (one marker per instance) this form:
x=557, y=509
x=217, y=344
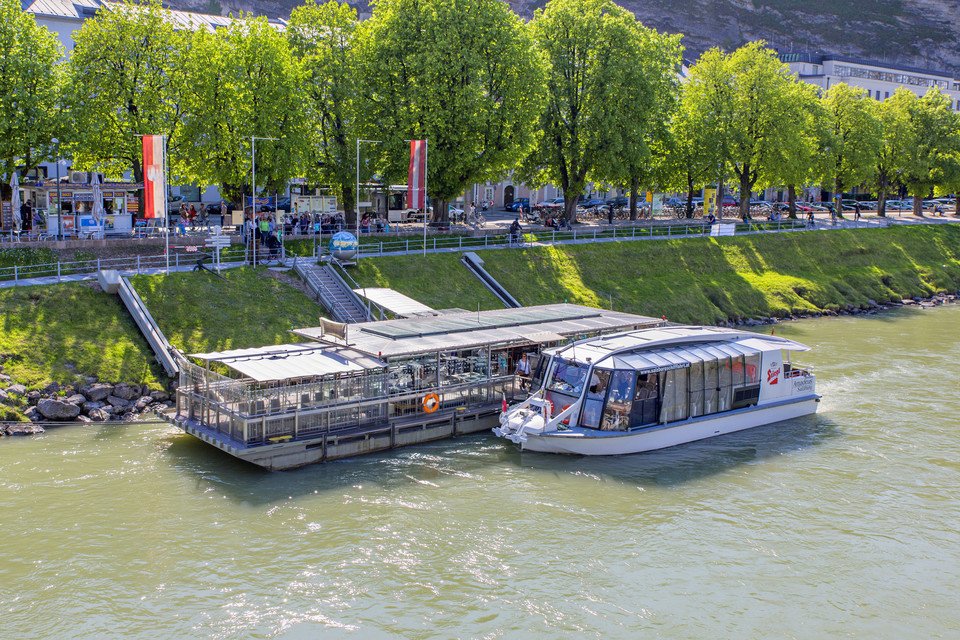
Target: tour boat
x=654, y=388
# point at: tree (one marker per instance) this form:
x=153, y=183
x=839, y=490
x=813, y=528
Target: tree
x=760, y=108
x=793, y=160
x=645, y=104
x=241, y=81
x=123, y=82
x=576, y=136
x=322, y=37
x=896, y=140
x=854, y=137
x=30, y=85
x=932, y=156
x=462, y=74
x=691, y=156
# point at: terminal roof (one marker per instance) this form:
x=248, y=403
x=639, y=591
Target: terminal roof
x=470, y=329
x=286, y=361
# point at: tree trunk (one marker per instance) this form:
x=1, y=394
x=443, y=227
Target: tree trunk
x=441, y=210
x=719, y=201
x=882, y=200
x=634, y=187
x=837, y=198
x=918, y=206
x=792, y=201
x=570, y=207
x=745, y=187
x=348, y=198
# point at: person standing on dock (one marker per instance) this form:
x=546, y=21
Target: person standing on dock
x=523, y=372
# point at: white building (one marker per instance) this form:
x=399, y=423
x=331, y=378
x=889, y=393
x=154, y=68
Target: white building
x=878, y=78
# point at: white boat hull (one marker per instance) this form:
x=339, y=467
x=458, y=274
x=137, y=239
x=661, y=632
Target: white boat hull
x=663, y=436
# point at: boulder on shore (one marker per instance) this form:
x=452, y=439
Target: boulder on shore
x=17, y=390
x=117, y=403
x=87, y=407
x=126, y=391
x=160, y=396
x=97, y=392
x=31, y=414
x=143, y=403
x=24, y=430
x=54, y=409
x=76, y=398
x=99, y=415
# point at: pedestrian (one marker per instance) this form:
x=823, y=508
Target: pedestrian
x=193, y=217
x=523, y=371
x=610, y=213
x=223, y=213
x=856, y=212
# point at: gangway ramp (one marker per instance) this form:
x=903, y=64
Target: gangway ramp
x=333, y=292
x=112, y=282
x=474, y=263
x=398, y=304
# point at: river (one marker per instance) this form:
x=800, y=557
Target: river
x=842, y=524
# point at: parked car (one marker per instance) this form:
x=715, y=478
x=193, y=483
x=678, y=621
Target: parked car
x=454, y=211
x=552, y=204
x=516, y=204
x=730, y=201
x=619, y=201
x=592, y=203
x=675, y=202
x=174, y=202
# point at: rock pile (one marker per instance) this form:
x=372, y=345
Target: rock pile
x=92, y=401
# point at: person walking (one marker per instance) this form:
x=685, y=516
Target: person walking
x=856, y=212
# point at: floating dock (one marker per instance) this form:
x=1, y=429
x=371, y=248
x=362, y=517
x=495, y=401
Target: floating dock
x=371, y=386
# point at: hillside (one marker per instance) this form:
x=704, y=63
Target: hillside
x=917, y=33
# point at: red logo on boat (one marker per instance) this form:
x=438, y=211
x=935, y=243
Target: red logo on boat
x=773, y=374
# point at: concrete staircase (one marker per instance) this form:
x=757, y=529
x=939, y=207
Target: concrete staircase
x=334, y=294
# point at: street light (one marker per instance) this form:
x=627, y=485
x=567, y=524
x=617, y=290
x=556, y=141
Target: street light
x=356, y=204
x=56, y=143
x=253, y=163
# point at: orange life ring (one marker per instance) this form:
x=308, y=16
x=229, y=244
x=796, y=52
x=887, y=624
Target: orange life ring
x=431, y=402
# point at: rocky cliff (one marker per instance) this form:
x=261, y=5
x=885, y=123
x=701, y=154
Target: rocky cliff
x=913, y=32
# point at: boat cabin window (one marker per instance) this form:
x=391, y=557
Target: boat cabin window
x=646, y=399
x=674, y=402
x=616, y=413
x=596, y=393
x=538, y=366
x=568, y=377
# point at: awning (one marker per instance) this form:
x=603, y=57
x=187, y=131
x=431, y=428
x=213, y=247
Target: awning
x=540, y=337
x=282, y=362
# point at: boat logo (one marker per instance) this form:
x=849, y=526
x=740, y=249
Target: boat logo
x=773, y=373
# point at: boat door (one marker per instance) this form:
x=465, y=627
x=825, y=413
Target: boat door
x=646, y=400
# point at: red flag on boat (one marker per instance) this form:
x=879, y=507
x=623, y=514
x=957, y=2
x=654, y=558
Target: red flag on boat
x=153, y=178
x=503, y=404
x=417, y=176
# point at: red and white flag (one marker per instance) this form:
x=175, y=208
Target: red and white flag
x=417, y=177
x=153, y=178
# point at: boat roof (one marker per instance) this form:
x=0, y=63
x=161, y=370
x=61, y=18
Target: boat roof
x=471, y=329
x=286, y=361
x=664, y=347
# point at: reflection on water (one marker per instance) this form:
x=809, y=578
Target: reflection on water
x=839, y=524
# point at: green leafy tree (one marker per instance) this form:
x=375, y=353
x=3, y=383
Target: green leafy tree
x=931, y=159
x=854, y=138
x=896, y=141
x=645, y=104
x=239, y=82
x=30, y=85
x=581, y=41
x=462, y=74
x=322, y=36
x=691, y=152
x=792, y=161
x=123, y=81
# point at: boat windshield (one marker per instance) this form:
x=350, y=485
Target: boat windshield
x=567, y=377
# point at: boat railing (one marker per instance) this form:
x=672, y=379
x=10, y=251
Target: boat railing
x=797, y=372
x=233, y=419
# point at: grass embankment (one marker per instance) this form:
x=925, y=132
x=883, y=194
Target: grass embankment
x=59, y=333
x=702, y=280
x=199, y=312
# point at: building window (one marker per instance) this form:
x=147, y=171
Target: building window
x=886, y=94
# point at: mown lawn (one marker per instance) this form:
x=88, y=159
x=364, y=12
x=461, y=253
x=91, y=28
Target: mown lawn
x=59, y=333
x=702, y=280
x=438, y=280
x=199, y=312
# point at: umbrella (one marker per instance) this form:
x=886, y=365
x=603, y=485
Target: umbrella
x=15, y=202
x=97, y=199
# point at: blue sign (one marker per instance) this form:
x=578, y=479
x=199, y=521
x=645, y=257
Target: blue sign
x=262, y=201
x=344, y=245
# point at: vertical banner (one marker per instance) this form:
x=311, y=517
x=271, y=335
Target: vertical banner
x=153, y=178
x=417, y=176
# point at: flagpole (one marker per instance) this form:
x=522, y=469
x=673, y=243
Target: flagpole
x=166, y=211
x=426, y=208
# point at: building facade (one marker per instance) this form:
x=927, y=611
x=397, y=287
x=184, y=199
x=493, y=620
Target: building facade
x=879, y=79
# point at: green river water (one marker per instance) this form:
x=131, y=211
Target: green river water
x=839, y=525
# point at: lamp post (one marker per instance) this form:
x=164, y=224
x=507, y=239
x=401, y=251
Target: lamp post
x=356, y=204
x=253, y=195
x=56, y=143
